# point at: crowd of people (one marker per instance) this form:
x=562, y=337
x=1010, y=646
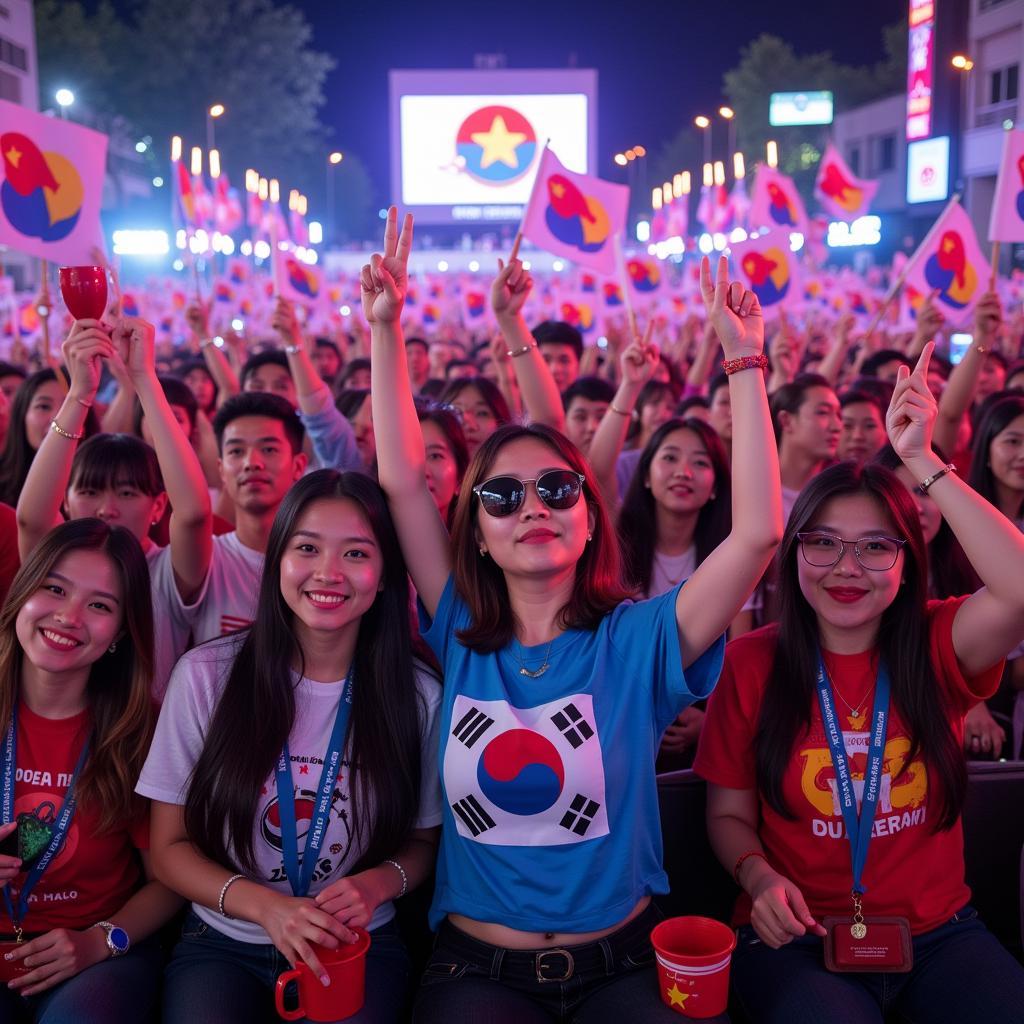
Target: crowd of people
x=294, y=626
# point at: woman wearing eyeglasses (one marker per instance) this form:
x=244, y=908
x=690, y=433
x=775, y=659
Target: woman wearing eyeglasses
x=833, y=750
x=557, y=688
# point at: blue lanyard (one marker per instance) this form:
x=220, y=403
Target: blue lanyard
x=301, y=877
x=8, y=763
x=858, y=829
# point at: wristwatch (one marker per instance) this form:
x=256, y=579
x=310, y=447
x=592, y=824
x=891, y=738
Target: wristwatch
x=117, y=938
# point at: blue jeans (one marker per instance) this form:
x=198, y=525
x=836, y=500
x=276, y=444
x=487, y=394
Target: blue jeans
x=961, y=975
x=214, y=979
x=124, y=989
x=612, y=980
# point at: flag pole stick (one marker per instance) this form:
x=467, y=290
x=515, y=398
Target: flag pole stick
x=274, y=269
x=627, y=298
x=43, y=311
x=994, y=268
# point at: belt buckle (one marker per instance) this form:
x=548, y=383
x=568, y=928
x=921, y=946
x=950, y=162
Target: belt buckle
x=570, y=964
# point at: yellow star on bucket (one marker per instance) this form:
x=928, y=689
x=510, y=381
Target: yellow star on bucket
x=499, y=144
x=677, y=998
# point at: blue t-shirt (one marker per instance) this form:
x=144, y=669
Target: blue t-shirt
x=551, y=810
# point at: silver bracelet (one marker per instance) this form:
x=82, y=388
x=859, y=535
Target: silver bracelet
x=512, y=354
x=405, y=878
x=223, y=892
x=292, y=349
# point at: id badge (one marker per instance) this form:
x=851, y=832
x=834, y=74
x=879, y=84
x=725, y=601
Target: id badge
x=881, y=944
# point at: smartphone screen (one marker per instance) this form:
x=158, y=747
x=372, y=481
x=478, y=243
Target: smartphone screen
x=958, y=345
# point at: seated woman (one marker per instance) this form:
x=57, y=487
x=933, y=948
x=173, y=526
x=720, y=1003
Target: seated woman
x=325, y=676
x=858, y=695
x=557, y=687
x=76, y=657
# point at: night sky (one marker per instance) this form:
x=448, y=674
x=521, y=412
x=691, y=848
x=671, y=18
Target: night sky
x=659, y=62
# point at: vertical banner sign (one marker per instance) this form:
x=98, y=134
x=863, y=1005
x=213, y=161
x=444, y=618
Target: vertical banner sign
x=920, y=69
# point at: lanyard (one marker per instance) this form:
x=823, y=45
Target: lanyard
x=858, y=829
x=58, y=833
x=300, y=877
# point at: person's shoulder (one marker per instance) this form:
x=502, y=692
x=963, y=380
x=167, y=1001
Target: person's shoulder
x=756, y=648
x=428, y=683
x=210, y=662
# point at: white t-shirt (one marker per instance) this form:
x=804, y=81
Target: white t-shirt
x=172, y=618
x=789, y=497
x=668, y=571
x=227, y=601
x=192, y=696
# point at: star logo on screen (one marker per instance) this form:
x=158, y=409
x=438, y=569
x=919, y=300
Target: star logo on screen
x=497, y=145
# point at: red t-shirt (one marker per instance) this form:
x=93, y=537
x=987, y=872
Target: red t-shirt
x=93, y=876
x=9, y=560
x=912, y=871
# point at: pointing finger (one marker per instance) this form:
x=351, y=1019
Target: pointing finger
x=405, y=238
x=515, y=246
x=706, y=288
x=391, y=232
x=924, y=359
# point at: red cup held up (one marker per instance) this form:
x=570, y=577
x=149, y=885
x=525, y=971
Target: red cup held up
x=85, y=291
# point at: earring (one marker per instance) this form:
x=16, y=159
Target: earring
x=590, y=536
x=483, y=551
x=112, y=649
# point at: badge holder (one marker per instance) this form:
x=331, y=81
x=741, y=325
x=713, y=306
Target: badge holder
x=875, y=944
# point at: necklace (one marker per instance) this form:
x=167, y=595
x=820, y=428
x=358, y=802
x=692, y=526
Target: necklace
x=664, y=570
x=855, y=712
x=532, y=673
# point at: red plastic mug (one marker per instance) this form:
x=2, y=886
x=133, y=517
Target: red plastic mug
x=11, y=969
x=346, y=967
x=85, y=291
x=694, y=954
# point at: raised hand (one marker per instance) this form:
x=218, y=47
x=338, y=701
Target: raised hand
x=511, y=287
x=284, y=321
x=734, y=312
x=639, y=360
x=134, y=342
x=988, y=318
x=83, y=350
x=197, y=316
x=910, y=420
x=384, y=280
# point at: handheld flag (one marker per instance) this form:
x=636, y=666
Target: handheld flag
x=52, y=186
x=950, y=262
x=575, y=215
x=1007, y=221
x=768, y=267
x=775, y=202
x=843, y=195
x=296, y=281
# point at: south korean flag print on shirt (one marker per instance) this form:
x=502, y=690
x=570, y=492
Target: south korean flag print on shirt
x=525, y=776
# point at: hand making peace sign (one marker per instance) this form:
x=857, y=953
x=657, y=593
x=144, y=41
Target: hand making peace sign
x=384, y=280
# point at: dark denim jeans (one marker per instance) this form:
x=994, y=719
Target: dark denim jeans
x=605, y=982
x=124, y=989
x=214, y=979
x=961, y=975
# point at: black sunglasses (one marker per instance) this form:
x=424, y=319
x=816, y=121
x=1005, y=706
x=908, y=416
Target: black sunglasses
x=559, y=489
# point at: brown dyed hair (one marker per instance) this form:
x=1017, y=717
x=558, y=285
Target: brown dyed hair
x=480, y=582
x=119, y=684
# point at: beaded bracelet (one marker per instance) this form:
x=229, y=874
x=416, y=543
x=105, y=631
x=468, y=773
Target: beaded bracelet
x=405, y=878
x=58, y=429
x=745, y=857
x=223, y=892
x=731, y=366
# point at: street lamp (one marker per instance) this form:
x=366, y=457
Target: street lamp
x=217, y=110
x=704, y=124
x=963, y=64
x=64, y=98
x=333, y=160
x=620, y=159
x=729, y=115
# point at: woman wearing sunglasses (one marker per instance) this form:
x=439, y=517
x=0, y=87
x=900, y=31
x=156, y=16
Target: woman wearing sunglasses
x=833, y=750
x=557, y=688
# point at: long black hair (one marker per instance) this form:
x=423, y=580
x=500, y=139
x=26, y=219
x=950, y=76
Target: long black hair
x=638, y=524
x=256, y=710
x=18, y=454
x=902, y=643
x=1000, y=411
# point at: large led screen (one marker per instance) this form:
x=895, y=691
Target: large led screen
x=465, y=145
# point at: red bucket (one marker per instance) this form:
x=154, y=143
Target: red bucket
x=693, y=956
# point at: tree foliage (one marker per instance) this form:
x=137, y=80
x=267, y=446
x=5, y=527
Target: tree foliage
x=162, y=65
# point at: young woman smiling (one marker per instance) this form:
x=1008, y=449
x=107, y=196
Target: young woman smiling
x=858, y=696
x=557, y=687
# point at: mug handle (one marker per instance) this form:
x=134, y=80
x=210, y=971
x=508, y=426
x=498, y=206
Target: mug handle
x=282, y=982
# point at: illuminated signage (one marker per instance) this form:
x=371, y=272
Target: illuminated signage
x=928, y=170
x=920, y=69
x=786, y=108
x=863, y=231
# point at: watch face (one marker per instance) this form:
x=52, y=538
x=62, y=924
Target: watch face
x=119, y=937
